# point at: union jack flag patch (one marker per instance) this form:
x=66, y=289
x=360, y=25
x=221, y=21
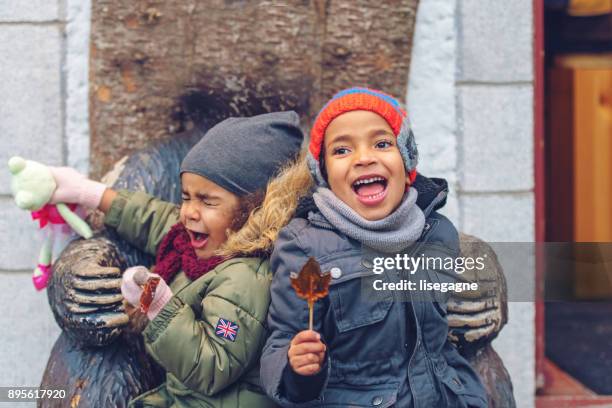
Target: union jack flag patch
x=226, y=329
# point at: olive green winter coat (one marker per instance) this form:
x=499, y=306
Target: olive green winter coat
x=203, y=369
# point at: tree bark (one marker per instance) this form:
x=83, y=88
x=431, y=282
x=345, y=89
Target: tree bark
x=158, y=66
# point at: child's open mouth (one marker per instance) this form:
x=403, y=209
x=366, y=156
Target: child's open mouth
x=370, y=189
x=198, y=239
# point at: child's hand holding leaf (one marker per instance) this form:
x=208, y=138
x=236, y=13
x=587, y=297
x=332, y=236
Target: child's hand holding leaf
x=306, y=353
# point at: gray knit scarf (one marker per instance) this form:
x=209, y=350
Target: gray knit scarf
x=396, y=232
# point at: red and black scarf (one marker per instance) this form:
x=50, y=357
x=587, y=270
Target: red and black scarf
x=176, y=254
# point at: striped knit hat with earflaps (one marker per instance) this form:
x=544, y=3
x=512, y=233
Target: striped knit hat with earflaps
x=353, y=99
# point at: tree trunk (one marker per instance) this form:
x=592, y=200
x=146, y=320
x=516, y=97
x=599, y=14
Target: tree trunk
x=157, y=66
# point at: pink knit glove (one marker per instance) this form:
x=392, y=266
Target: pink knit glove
x=131, y=289
x=74, y=187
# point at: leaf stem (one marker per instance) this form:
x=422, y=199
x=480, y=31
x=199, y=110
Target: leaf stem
x=310, y=317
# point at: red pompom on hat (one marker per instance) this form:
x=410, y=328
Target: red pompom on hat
x=353, y=99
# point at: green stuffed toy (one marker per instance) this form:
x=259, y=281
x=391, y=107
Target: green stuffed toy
x=33, y=185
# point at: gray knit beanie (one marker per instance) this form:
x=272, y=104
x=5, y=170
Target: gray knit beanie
x=243, y=154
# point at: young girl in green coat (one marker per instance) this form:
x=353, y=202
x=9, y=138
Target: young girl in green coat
x=207, y=317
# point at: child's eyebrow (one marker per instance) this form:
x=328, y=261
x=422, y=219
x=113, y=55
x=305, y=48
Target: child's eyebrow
x=206, y=196
x=203, y=196
x=339, y=139
x=380, y=132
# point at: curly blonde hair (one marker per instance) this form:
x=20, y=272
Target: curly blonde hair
x=256, y=237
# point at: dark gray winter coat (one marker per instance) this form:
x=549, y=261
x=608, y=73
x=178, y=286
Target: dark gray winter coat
x=381, y=353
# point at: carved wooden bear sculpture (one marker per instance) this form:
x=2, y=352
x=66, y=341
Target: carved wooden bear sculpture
x=100, y=359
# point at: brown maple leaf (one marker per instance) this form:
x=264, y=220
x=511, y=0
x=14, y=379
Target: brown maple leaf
x=310, y=284
x=148, y=293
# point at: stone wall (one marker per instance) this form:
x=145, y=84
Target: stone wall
x=471, y=101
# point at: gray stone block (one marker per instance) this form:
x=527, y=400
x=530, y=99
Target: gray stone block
x=30, y=85
x=77, y=83
x=29, y=331
x=496, y=143
x=431, y=89
x=437, y=144
x=495, y=40
x=498, y=217
x=431, y=96
x=20, y=238
x=29, y=11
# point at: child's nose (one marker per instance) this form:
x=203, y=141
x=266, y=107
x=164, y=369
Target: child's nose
x=364, y=157
x=192, y=213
